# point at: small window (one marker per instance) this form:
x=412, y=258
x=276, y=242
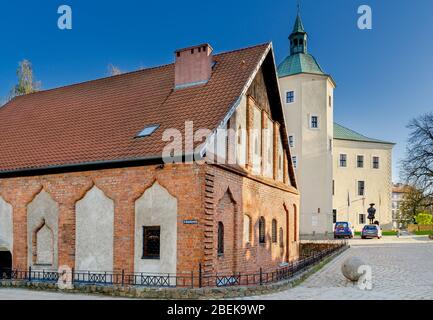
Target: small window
x=240, y=135
x=330, y=101
x=281, y=237
x=333, y=187
x=361, y=188
x=290, y=96
x=295, y=162
x=151, y=242
x=148, y=131
x=360, y=161
x=375, y=162
x=274, y=231
x=334, y=216
x=362, y=219
x=280, y=162
x=262, y=230
x=292, y=141
x=220, y=238
x=314, y=122
x=343, y=160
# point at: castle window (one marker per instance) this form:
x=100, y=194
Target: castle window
x=360, y=161
x=375, y=162
x=362, y=219
x=343, y=160
x=220, y=238
x=274, y=231
x=151, y=242
x=290, y=96
x=295, y=161
x=361, y=188
x=314, y=122
x=292, y=141
x=301, y=42
x=262, y=230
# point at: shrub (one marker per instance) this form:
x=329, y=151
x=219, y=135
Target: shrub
x=424, y=219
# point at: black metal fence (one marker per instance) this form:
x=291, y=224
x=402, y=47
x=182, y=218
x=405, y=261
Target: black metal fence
x=197, y=279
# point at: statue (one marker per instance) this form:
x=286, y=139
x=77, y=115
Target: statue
x=371, y=213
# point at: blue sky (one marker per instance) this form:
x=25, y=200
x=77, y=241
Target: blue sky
x=384, y=75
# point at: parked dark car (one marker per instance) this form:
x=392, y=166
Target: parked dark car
x=371, y=231
x=343, y=230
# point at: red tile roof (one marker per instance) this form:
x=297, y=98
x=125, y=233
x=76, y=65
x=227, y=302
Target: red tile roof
x=97, y=121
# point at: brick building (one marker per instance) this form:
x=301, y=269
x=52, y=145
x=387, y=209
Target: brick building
x=84, y=182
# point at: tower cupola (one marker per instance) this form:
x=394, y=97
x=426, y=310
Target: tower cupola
x=298, y=38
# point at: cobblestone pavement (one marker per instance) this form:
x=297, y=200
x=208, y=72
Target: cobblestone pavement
x=402, y=269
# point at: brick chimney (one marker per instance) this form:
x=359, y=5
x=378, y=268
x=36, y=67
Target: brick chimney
x=193, y=66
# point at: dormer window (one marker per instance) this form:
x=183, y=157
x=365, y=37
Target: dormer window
x=148, y=131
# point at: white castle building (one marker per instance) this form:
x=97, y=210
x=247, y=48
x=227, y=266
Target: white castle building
x=339, y=171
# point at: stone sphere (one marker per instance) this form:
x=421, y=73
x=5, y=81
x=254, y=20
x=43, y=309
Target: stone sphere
x=350, y=268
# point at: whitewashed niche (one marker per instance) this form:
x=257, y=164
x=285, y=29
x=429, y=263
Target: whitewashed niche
x=6, y=226
x=156, y=208
x=94, y=232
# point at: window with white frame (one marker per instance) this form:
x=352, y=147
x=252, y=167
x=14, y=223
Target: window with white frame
x=295, y=161
x=343, y=160
x=290, y=96
x=360, y=161
x=361, y=188
x=375, y=162
x=292, y=141
x=314, y=122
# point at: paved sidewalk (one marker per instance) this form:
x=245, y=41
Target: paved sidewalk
x=402, y=269
x=23, y=294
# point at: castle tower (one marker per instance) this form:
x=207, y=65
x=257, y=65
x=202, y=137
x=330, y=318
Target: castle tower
x=307, y=94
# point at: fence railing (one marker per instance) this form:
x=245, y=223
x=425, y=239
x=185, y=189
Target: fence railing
x=196, y=279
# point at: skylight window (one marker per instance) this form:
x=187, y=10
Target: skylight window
x=148, y=131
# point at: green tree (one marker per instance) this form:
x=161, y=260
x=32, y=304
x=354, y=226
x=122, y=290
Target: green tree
x=26, y=83
x=424, y=219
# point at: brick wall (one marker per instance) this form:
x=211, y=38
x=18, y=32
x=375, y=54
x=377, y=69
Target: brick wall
x=205, y=193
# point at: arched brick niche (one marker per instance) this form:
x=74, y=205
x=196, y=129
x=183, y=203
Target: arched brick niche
x=42, y=232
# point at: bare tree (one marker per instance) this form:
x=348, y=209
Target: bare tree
x=113, y=70
x=414, y=203
x=417, y=167
x=26, y=83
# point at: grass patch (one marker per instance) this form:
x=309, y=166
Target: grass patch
x=423, y=233
x=384, y=233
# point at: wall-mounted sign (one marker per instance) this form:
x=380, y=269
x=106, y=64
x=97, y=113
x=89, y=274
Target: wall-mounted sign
x=190, y=222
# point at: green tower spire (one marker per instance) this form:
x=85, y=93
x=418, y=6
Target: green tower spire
x=299, y=60
x=298, y=38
